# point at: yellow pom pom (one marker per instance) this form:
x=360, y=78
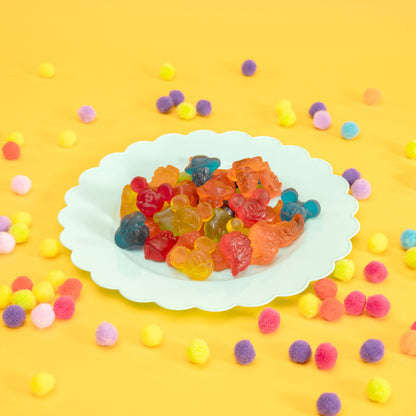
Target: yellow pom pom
x=22, y=217
x=167, y=72
x=56, y=278
x=24, y=298
x=16, y=137
x=378, y=243
x=283, y=105
x=411, y=149
x=42, y=383
x=43, y=291
x=344, y=270
x=20, y=232
x=46, y=70
x=49, y=248
x=378, y=390
x=287, y=118
x=309, y=305
x=186, y=111
x=410, y=257
x=67, y=138
x=151, y=335
x=5, y=296
x=198, y=351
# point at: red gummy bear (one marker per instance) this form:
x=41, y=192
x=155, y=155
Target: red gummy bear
x=250, y=210
x=237, y=250
x=156, y=248
x=149, y=202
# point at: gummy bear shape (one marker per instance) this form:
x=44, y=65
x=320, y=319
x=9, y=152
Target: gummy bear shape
x=237, y=249
x=216, y=190
x=156, y=248
x=216, y=227
x=132, y=232
x=169, y=175
x=202, y=161
x=292, y=206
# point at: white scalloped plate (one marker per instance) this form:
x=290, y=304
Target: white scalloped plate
x=92, y=216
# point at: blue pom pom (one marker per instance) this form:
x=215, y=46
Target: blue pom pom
x=349, y=130
x=408, y=239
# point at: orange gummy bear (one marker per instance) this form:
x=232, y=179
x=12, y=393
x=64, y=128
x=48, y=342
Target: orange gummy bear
x=169, y=175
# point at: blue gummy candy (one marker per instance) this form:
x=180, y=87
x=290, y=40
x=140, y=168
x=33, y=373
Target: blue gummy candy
x=289, y=195
x=212, y=163
x=291, y=209
x=312, y=207
x=201, y=175
x=132, y=232
x=408, y=239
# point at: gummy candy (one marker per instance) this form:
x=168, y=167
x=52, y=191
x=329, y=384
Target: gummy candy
x=205, y=244
x=183, y=176
x=186, y=240
x=138, y=184
x=270, y=183
x=149, y=202
x=152, y=226
x=132, y=232
x=217, y=226
x=215, y=191
x=164, y=219
x=201, y=175
x=157, y=247
x=201, y=161
x=166, y=191
x=265, y=243
x=189, y=189
x=205, y=211
x=169, y=175
x=250, y=210
x=237, y=250
x=185, y=218
x=247, y=180
x=292, y=206
x=290, y=231
x=199, y=265
x=128, y=201
x=220, y=262
x=291, y=209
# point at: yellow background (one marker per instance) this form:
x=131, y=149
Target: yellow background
x=108, y=54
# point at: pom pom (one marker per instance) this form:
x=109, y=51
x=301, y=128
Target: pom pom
x=269, y=320
x=322, y=120
x=378, y=306
x=378, y=390
x=46, y=70
x=43, y=316
x=361, y=189
x=372, y=351
x=67, y=138
x=167, y=71
x=186, y=111
x=203, y=107
x=24, y=298
x=408, y=342
x=164, y=104
x=151, y=335
x=344, y=270
x=375, y=272
x=328, y=404
x=56, y=278
x=378, y=243
x=7, y=243
x=20, y=232
x=21, y=184
x=44, y=291
x=177, y=97
x=49, y=248
x=354, y=303
x=11, y=151
x=410, y=150
x=287, y=118
x=351, y=175
x=106, y=334
x=244, y=352
x=248, y=68
x=14, y=316
x=372, y=96
x=315, y=107
x=283, y=105
x=64, y=307
x=42, y=383
x=300, y=352
x=326, y=356
x=407, y=238
x=349, y=130
x=5, y=223
x=331, y=309
x=413, y=327
x=71, y=287
x=22, y=282
x=325, y=288
x=16, y=137
x=198, y=351
x=409, y=257
x=309, y=305
x=22, y=217
x=5, y=296
x=86, y=114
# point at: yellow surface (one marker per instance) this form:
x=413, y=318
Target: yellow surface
x=108, y=55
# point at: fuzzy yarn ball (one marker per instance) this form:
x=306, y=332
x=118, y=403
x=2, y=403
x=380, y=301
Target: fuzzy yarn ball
x=249, y=68
x=375, y=272
x=407, y=238
x=24, y=298
x=410, y=149
x=16, y=137
x=71, y=287
x=5, y=223
x=198, y=351
x=378, y=306
x=86, y=114
x=177, y=97
x=287, y=118
x=21, y=184
x=408, y=342
x=64, y=307
x=361, y=189
x=328, y=404
x=14, y=316
x=167, y=71
x=309, y=305
x=151, y=335
x=42, y=384
x=349, y=130
x=344, y=270
x=322, y=120
x=186, y=111
x=300, y=352
x=378, y=243
x=106, y=334
x=409, y=257
x=164, y=104
x=43, y=316
x=5, y=296
x=49, y=248
x=43, y=291
x=372, y=351
x=7, y=243
x=203, y=107
x=326, y=356
x=46, y=70
x=22, y=217
x=351, y=175
x=20, y=232
x=283, y=105
x=355, y=303
x=325, y=288
x=413, y=327
x=372, y=96
x=56, y=278
x=269, y=320
x=22, y=282
x=67, y=138
x=244, y=352
x=378, y=390
x=331, y=309
x=315, y=107
x=11, y=151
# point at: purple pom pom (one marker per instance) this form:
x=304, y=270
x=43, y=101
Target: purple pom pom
x=106, y=334
x=5, y=223
x=248, y=68
x=372, y=351
x=86, y=114
x=164, y=104
x=300, y=352
x=351, y=175
x=14, y=316
x=318, y=106
x=328, y=404
x=177, y=97
x=244, y=352
x=203, y=107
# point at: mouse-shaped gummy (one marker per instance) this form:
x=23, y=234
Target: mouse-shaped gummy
x=168, y=174
x=216, y=227
x=149, y=202
x=292, y=206
x=202, y=161
x=132, y=232
x=201, y=175
x=156, y=248
x=237, y=249
x=216, y=190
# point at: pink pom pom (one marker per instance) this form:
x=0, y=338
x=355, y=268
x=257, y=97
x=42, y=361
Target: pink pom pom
x=269, y=320
x=21, y=184
x=375, y=272
x=7, y=243
x=413, y=326
x=326, y=356
x=378, y=306
x=64, y=307
x=355, y=302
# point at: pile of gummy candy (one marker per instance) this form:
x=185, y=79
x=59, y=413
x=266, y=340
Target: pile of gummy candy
x=207, y=219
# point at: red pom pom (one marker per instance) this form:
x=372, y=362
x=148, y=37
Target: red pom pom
x=355, y=303
x=326, y=356
x=413, y=326
x=325, y=288
x=71, y=287
x=11, y=151
x=269, y=320
x=64, y=307
x=375, y=272
x=378, y=306
x=22, y=282
x=331, y=309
